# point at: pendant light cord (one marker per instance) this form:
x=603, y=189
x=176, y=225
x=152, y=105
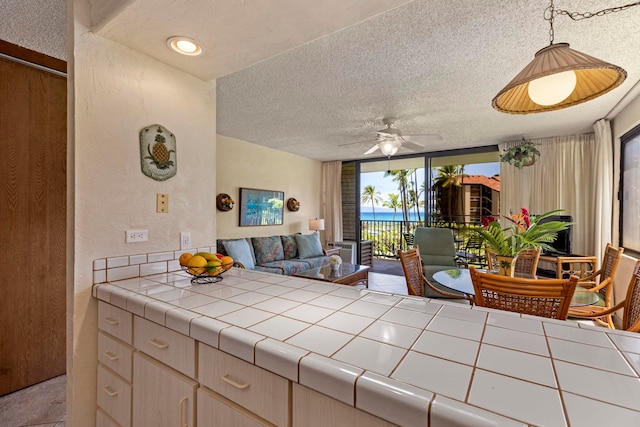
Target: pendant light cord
x=551, y=12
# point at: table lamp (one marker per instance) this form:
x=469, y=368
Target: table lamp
x=316, y=224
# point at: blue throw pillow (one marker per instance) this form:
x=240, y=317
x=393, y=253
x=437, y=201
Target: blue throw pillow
x=309, y=245
x=240, y=251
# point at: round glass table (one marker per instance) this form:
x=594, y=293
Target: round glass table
x=459, y=279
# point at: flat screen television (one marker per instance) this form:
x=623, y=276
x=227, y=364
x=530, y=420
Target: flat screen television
x=562, y=244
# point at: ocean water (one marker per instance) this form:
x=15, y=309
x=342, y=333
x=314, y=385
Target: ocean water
x=388, y=216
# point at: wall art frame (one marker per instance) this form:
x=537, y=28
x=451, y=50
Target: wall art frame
x=261, y=207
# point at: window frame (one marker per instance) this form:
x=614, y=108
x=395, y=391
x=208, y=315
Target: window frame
x=632, y=136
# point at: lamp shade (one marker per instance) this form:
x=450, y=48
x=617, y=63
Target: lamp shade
x=316, y=224
x=593, y=78
x=389, y=147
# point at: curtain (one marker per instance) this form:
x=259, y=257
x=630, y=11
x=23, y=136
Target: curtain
x=603, y=177
x=571, y=174
x=332, y=200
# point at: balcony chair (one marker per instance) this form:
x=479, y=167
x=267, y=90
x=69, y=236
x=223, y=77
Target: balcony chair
x=601, y=281
x=630, y=305
x=474, y=252
x=416, y=282
x=526, y=262
x=538, y=297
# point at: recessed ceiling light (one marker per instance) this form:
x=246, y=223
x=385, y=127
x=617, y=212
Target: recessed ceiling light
x=184, y=45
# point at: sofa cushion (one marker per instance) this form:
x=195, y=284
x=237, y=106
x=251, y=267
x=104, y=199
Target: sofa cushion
x=240, y=251
x=267, y=249
x=289, y=246
x=290, y=266
x=309, y=245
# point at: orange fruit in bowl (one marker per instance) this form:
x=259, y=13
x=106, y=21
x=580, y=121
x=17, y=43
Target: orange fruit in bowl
x=227, y=262
x=184, y=258
x=198, y=263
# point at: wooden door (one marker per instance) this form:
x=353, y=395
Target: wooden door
x=33, y=197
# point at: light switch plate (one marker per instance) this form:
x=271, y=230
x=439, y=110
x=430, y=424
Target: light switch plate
x=162, y=203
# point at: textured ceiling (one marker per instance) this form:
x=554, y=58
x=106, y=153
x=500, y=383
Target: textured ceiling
x=35, y=24
x=316, y=77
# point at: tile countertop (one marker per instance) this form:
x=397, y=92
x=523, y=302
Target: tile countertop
x=408, y=360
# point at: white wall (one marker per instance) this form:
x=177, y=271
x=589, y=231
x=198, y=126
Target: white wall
x=114, y=93
x=243, y=164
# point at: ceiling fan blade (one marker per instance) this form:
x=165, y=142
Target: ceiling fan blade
x=372, y=149
x=411, y=146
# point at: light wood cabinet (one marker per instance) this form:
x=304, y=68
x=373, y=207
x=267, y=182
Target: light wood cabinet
x=163, y=344
x=161, y=396
x=254, y=388
x=115, y=355
x=114, y=396
x=115, y=321
x=313, y=409
x=216, y=411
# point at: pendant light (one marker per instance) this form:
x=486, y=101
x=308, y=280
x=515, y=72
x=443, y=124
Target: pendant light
x=559, y=77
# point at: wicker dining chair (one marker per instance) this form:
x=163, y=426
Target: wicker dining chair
x=538, y=297
x=601, y=281
x=630, y=305
x=527, y=262
x=416, y=281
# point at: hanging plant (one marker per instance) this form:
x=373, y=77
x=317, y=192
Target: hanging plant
x=523, y=154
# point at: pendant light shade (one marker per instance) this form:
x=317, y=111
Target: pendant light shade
x=593, y=78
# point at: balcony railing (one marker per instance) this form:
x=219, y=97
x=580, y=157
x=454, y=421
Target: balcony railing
x=389, y=236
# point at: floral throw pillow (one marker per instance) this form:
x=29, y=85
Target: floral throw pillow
x=267, y=249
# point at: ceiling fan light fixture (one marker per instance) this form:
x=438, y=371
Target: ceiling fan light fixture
x=184, y=45
x=389, y=147
x=593, y=77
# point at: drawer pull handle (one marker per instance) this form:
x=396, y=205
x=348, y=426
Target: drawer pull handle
x=181, y=412
x=111, y=321
x=111, y=356
x=110, y=391
x=158, y=344
x=237, y=385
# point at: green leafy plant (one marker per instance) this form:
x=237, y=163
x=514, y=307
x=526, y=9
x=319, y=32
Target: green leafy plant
x=523, y=154
x=523, y=232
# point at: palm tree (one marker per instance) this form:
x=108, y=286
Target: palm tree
x=448, y=180
x=371, y=195
x=400, y=176
x=393, y=202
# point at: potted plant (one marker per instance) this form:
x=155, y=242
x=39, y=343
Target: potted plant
x=523, y=232
x=523, y=154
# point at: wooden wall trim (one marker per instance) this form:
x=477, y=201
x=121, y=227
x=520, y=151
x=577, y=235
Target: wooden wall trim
x=32, y=56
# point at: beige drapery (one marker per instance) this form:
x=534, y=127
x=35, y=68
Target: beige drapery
x=332, y=200
x=574, y=173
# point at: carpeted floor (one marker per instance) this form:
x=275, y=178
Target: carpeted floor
x=387, y=266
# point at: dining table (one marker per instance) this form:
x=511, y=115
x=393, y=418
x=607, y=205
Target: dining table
x=459, y=279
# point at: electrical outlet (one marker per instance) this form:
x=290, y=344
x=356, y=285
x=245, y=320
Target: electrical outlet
x=162, y=203
x=134, y=236
x=185, y=240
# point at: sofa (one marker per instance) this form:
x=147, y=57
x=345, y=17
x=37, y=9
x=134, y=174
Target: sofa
x=285, y=254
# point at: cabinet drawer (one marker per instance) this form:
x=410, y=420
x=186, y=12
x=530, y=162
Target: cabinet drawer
x=115, y=355
x=115, y=321
x=214, y=410
x=254, y=388
x=167, y=346
x=114, y=396
x=103, y=420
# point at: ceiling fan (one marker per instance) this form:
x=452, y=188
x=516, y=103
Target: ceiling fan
x=390, y=139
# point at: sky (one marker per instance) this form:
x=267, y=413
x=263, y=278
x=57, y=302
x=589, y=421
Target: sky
x=386, y=185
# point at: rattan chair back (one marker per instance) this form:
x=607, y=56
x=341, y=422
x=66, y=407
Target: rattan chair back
x=631, y=317
x=538, y=297
x=527, y=262
x=412, y=267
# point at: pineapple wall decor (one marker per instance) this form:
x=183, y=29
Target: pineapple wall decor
x=158, y=152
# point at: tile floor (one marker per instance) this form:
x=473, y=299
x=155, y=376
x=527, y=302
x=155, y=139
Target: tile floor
x=41, y=405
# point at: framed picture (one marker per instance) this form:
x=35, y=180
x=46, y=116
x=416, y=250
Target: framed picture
x=261, y=207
